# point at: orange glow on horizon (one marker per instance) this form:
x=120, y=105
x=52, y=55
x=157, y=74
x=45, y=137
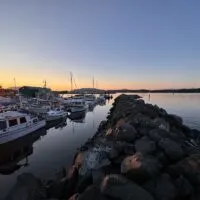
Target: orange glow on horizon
x=58, y=81
x=59, y=86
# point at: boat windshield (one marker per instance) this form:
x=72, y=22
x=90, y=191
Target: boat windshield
x=2, y=124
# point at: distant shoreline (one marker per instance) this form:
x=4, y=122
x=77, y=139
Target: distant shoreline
x=195, y=90
x=158, y=91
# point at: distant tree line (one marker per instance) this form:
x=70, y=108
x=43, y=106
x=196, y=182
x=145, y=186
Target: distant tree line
x=192, y=90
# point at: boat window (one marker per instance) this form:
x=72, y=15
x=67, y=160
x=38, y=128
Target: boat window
x=12, y=122
x=2, y=125
x=22, y=120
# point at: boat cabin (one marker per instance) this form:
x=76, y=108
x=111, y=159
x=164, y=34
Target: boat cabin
x=77, y=102
x=13, y=119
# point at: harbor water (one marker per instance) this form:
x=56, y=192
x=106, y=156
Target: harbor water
x=45, y=151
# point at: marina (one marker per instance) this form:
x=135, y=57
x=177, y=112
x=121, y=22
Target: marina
x=99, y=100
x=62, y=137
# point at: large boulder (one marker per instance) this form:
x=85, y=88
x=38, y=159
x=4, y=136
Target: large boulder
x=174, y=120
x=185, y=189
x=28, y=187
x=176, y=135
x=173, y=150
x=117, y=187
x=161, y=124
x=141, y=120
x=189, y=167
x=94, y=159
x=140, y=168
x=157, y=134
x=162, y=188
x=126, y=133
x=145, y=145
x=92, y=193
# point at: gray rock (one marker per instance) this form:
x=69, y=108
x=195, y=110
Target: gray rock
x=161, y=156
x=27, y=188
x=94, y=159
x=97, y=176
x=161, y=124
x=116, y=186
x=126, y=133
x=184, y=187
x=140, y=167
x=52, y=199
x=92, y=193
x=141, y=120
x=151, y=165
x=189, y=167
x=162, y=188
x=156, y=134
x=174, y=120
x=171, y=148
x=145, y=146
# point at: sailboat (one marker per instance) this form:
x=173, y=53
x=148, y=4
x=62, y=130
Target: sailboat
x=76, y=103
x=90, y=99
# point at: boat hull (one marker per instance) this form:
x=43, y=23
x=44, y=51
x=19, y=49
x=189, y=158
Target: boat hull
x=15, y=134
x=39, y=110
x=77, y=109
x=50, y=118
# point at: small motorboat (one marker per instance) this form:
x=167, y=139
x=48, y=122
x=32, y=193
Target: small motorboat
x=77, y=105
x=55, y=114
x=14, y=125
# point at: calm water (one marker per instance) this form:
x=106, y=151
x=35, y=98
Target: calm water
x=43, y=152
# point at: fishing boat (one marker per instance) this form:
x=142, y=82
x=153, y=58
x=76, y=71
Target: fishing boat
x=90, y=100
x=55, y=114
x=77, y=105
x=39, y=109
x=14, y=125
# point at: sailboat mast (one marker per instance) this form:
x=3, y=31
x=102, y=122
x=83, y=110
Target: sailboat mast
x=71, y=81
x=15, y=84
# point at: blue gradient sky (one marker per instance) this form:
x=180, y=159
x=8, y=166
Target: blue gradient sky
x=122, y=43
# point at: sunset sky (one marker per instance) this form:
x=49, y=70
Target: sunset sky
x=129, y=44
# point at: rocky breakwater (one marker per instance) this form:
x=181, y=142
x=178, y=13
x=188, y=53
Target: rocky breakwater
x=140, y=153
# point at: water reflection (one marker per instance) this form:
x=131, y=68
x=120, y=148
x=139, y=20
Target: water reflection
x=13, y=152
x=60, y=123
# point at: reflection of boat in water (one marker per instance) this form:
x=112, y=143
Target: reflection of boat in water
x=77, y=117
x=56, y=123
x=15, y=151
x=61, y=124
x=91, y=108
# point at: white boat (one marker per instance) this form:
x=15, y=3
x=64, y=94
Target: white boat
x=39, y=109
x=77, y=105
x=14, y=125
x=90, y=100
x=55, y=114
x=101, y=99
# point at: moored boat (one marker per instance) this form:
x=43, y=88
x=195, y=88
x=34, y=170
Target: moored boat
x=14, y=125
x=77, y=105
x=55, y=114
